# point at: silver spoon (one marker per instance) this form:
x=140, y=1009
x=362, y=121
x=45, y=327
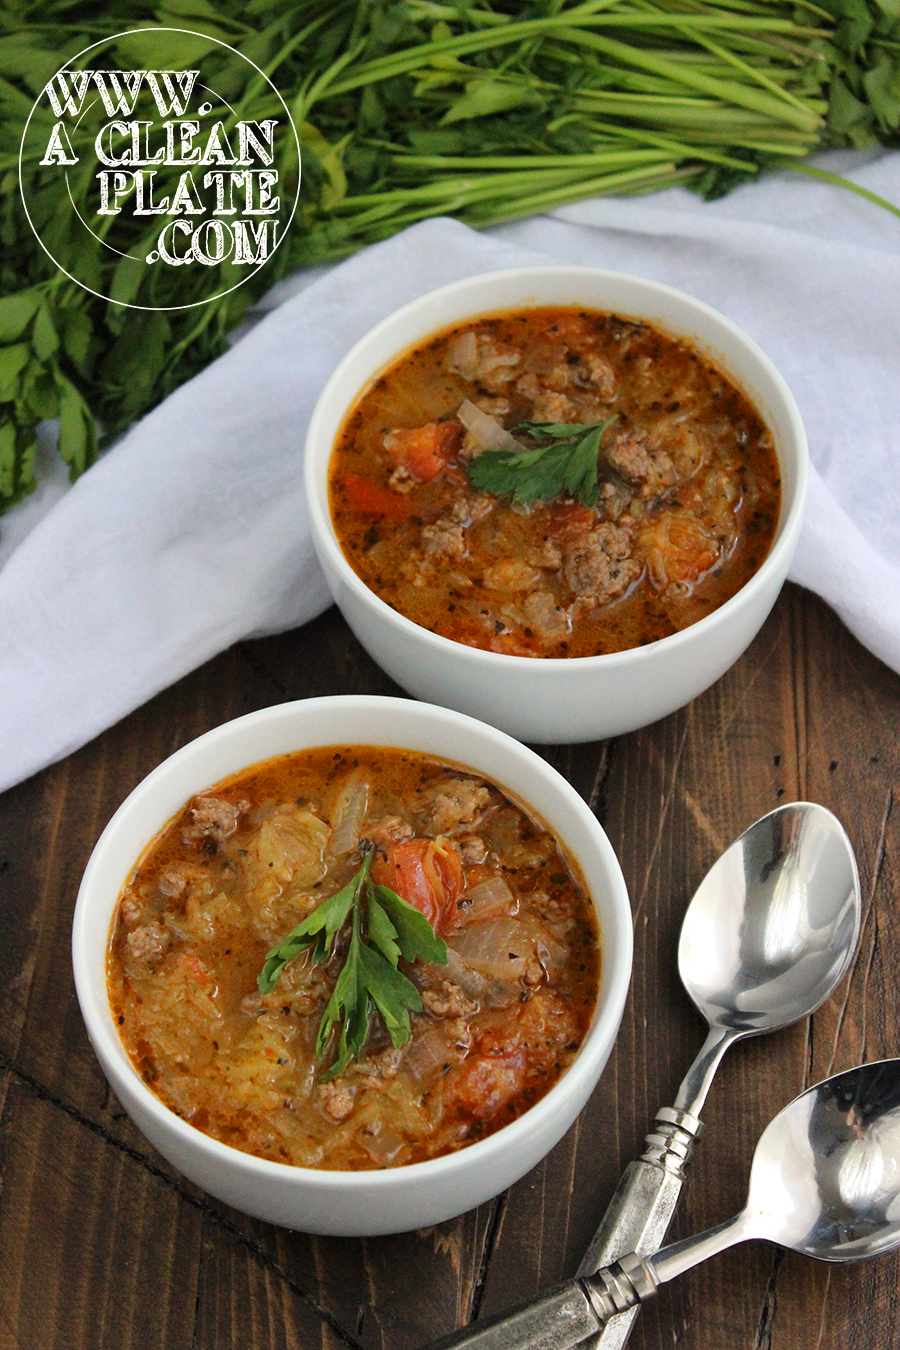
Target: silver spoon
x=765, y=941
x=825, y=1182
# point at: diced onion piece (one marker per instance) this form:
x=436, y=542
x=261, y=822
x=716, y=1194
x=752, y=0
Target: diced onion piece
x=498, y=948
x=488, y=899
x=503, y=829
x=511, y=574
x=349, y=813
x=501, y=994
x=486, y=432
x=382, y=1147
x=545, y=617
x=469, y=981
x=552, y=953
x=462, y=355
x=428, y=1052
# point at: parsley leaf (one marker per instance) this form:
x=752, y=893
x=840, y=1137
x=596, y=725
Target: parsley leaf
x=567, y=465
x=318, y=930
x=369, y=979
x=415, y=935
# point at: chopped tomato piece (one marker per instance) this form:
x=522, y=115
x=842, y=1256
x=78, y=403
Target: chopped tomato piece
x=424, y=451
x=365, y=494
x=426, y=873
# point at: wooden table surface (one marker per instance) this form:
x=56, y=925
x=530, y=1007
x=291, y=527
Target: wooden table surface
x=103, y=1246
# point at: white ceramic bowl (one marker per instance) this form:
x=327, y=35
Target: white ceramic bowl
x=584, y=698
x=348, y=1203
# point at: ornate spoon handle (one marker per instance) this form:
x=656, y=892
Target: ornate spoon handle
x=572, y=1313
x=641, y=1209
x=601, y=1302
x=599, y=1306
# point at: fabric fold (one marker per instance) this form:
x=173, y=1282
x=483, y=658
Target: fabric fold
x=191, y=533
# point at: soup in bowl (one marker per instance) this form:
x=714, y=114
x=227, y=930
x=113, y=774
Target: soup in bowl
x=353, y=964
x=558, y=498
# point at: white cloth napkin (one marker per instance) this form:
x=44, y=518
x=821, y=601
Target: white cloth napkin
x=191, y=533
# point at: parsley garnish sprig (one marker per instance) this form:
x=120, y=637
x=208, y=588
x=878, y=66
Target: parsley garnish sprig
x=383, y=928
x=567, y=465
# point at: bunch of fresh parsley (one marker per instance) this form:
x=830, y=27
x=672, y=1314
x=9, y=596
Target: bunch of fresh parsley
x=383, y=927
x=407, y=109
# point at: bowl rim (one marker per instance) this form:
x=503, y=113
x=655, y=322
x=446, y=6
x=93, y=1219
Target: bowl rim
x=316, y=456
x=114, y=1060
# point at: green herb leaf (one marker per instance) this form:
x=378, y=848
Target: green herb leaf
x=318, y=930
x=13, y=360
x=417, y=938
x=369, y=979
x=382, y=933
x=76, y=337
x=567, y=465
x=349, y=1007
x=16, y=313
x=7, y=460
x=77, y=432
x=43, y=337
x=392, y=993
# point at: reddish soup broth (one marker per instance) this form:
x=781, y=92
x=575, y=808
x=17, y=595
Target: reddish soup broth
x=249, y=859
x=687, y=507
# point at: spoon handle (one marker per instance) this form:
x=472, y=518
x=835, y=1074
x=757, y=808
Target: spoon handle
x=638, y=1216
x=572, y=1313
x=641, y=1209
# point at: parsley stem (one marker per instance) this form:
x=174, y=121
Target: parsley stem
x=838, y=181
x=426, y=108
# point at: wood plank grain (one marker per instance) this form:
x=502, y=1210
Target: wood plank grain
x=741, y=759
x=754, y=1296
x=94, y=1250
x=853, y=758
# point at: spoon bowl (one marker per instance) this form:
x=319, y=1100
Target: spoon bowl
x=773, y=925
x=825, y=1179
x=769, y=934
x=825, y=1182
